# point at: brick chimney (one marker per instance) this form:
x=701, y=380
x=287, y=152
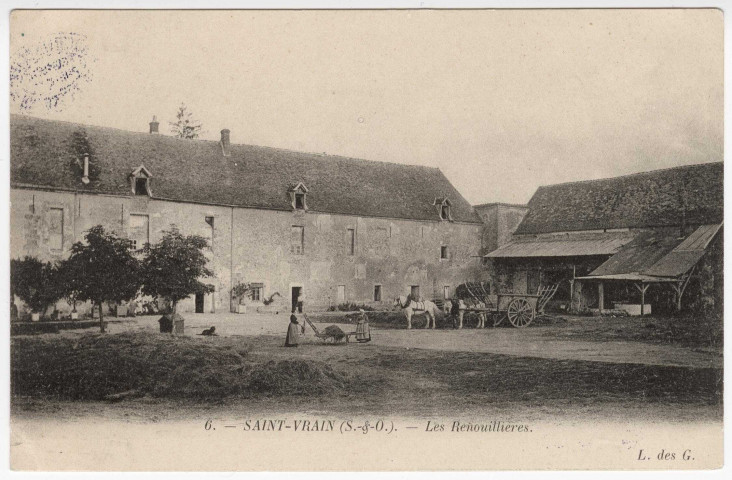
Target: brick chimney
x=225, y=143
x=154, y=125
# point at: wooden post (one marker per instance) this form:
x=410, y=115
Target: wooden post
x=642, y=287
x=601, y=296
x=678, y=298
x=571, y=294
x=679, y=289
x=643, y=299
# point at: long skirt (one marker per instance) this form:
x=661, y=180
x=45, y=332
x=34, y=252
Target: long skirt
x=363, y=332
x=292, y=335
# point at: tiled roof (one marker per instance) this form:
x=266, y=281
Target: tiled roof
x=650, y=199
x=43, y=155
x=658, y=254
x=562, y=246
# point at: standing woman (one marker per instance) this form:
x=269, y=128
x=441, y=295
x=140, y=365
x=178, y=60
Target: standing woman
x=292, y=333
x=363, y=332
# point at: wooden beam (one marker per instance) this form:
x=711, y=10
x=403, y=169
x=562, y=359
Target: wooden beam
x=681, y=287
x=642, y=287
x=601, y=296
x=571, y=293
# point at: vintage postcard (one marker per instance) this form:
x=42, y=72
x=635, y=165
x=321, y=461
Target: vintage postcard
x=366, y=240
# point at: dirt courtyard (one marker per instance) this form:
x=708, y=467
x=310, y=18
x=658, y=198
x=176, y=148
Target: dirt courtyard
x=573, y=370
x=569, y=340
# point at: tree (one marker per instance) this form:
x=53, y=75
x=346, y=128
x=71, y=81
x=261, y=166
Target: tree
x=185, y=126
x=241, y=291
x=172, y=267
x=72, y=276
x=35, y=282
x=103, y=269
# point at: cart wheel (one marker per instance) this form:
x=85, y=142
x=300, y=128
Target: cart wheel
x=520, y=312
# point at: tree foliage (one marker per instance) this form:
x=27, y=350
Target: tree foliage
x=185, y=126
x=241, y=291
x=173, y=266
x=35, y=282
x=72, y=281
x=103, y=269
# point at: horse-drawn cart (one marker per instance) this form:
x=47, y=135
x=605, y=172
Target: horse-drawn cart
x=519, y=308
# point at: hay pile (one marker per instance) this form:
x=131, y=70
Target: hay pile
x=296, y=377
x=335, y=332
x=96, y=367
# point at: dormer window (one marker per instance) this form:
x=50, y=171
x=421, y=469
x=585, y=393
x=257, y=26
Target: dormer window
x=444, y=208
x=298, y=197
x=299, y=201
x=140, y=181
x=141, y=186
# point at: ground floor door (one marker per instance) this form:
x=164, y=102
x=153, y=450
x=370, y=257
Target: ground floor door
x=296, y=291
x=199, y=302
x=341, y=294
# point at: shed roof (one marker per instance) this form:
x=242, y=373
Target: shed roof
x=680, y=260
x=43, y=155
x=692, y=194
x=640, y=254
x=654, y=256
x=574, y=245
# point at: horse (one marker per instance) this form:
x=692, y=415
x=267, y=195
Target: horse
x=416, y=308
x=459, y=312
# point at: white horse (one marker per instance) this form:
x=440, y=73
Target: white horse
x=412, y=308
x=462, y=306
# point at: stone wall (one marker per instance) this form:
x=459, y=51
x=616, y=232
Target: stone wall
x=254, y=245
x=500, y=220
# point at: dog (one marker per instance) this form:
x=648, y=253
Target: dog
x=209, y=331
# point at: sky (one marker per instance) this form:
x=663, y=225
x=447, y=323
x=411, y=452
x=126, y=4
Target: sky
x=501, y=101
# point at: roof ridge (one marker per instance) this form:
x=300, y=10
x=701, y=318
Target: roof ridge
x=505, y=204
x=635, y=174
x=279, y=149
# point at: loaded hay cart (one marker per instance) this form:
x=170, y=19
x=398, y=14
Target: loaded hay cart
x=519, y=308
x=334, y=334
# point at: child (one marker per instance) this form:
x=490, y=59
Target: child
x=292, y=333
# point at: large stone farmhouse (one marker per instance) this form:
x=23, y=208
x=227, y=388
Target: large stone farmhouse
x=651, y=239
x=335, y=229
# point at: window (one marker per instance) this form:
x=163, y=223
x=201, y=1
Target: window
x=341, y=294
x=297, y=240
x=298, y=195
x=445, y=212
x=140, y=181
x=444, y=254
x=351, y=241
x=257, y=289
x=210, y=232
x=443, y=208
x=139, y=231
x=56, y=228
x=446, y=292
x=141, y=186
x=377, y=293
